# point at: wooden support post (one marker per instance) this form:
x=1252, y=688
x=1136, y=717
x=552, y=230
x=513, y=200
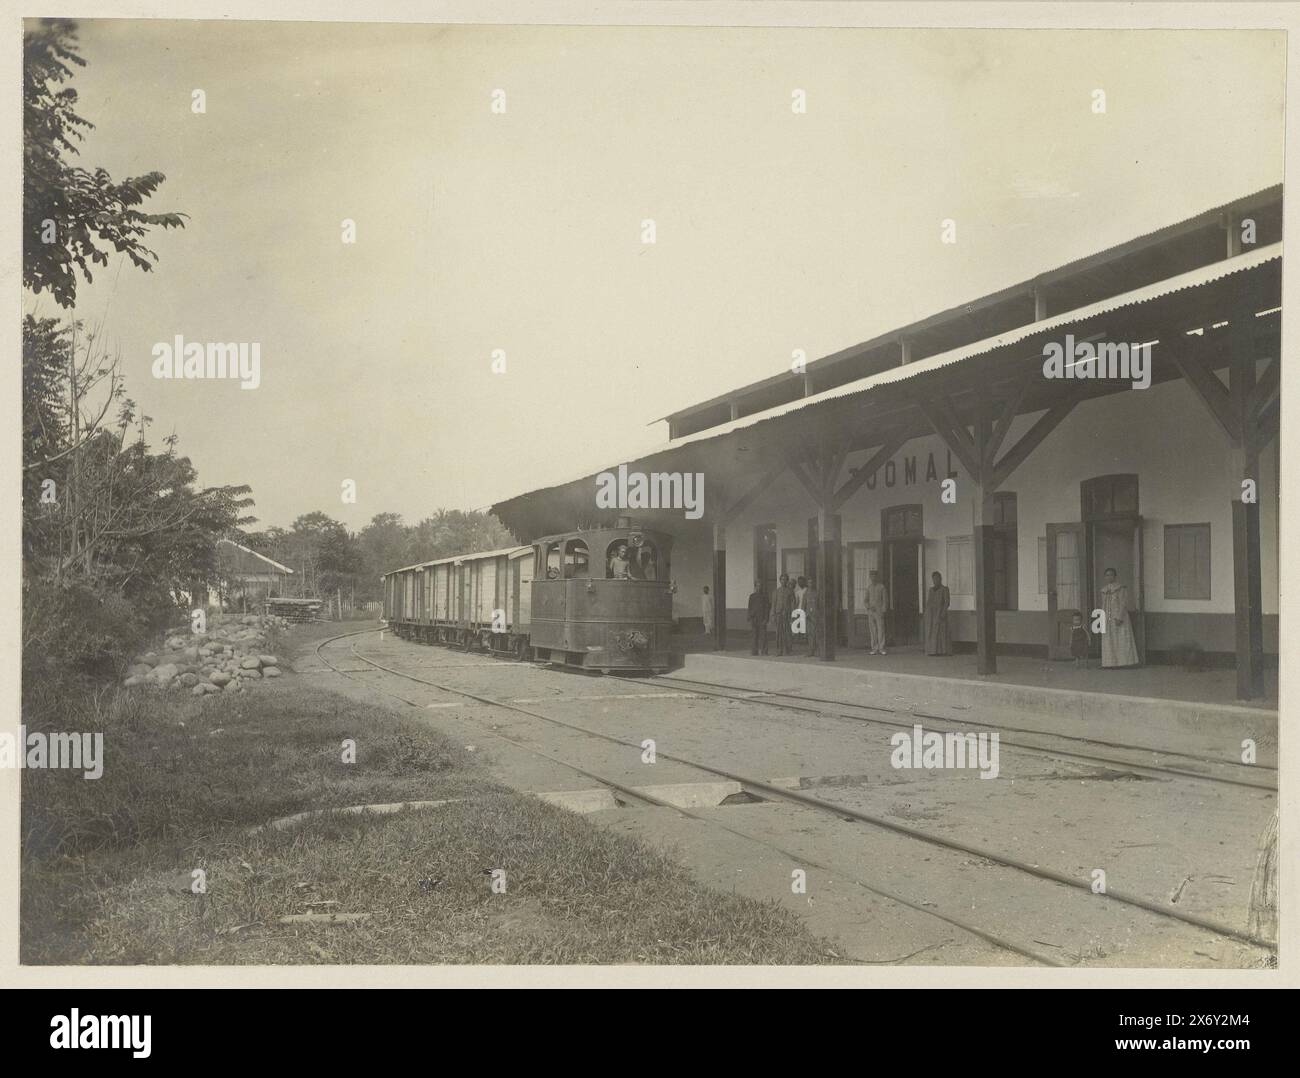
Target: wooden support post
x=828, y=583
x=986, y=625
x=1247, y=599
x=1247, y=589
x=1244, y=413
x=720, y=586
x=813, y=547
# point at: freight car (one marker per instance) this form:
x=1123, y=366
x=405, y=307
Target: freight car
x=470, y=601
x=597, y=600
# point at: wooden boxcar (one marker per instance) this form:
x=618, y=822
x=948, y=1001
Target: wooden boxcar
x=598, y=600
x=471, y=600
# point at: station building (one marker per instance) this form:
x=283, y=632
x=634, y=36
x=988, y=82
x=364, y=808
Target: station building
x=1168, y=474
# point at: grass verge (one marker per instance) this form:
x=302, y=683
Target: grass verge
x=109, y=865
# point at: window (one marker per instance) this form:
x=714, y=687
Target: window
x=902, y=521
x=1004, y=569
x=645, y=560
x=1187, y=561
x=961, y=565
x=865, y=558
x=618, y=560
x=633, y=557
x=575, y=558
x=553, y=561
x=1109, y=496
x=793, y=562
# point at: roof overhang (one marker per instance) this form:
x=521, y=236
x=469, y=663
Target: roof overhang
x=866, y=412
x=1167, y=252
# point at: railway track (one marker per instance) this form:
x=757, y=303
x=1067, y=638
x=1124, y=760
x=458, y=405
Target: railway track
x=819, y=706
x=767, y=791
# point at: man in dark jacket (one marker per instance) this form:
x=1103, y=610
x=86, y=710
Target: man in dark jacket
x=760, y=609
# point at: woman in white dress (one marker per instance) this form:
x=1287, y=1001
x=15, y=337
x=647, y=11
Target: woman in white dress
x=1118, y=647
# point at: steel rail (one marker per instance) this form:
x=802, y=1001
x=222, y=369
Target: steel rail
x=948, y=719
x=637, y=795
x=779, y=793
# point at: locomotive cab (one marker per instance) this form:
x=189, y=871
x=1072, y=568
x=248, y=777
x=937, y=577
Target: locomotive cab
x=602, y=599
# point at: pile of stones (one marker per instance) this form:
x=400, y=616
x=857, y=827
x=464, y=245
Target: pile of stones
x=231, y=655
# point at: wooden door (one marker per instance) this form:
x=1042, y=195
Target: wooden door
x=1066, y=585
x=904, y=565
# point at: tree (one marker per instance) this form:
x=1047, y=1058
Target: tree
x=455, y=531
x=47, y=356
x=114, y=532
x=69, y=211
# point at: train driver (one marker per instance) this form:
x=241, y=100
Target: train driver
x=620, y=567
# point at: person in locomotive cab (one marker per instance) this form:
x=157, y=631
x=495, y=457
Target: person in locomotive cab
x=620, y=567
x=782, y=609
x=760, y=609
x=643, y=564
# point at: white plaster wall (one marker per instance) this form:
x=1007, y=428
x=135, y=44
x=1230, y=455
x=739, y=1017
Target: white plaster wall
x=1163, y=434
x=693, y=568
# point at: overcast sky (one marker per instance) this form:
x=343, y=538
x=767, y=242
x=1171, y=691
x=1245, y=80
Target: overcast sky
x=477, y=231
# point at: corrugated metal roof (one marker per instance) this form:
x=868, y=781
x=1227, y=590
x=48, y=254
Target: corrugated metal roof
x=1144, y=242
x=509, y=551
x=1192, y=279
x=255, y=554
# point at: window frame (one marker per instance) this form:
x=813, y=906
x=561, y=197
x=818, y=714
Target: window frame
x=1178, y=529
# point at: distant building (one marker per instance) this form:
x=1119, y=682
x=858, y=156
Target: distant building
x=247, y=578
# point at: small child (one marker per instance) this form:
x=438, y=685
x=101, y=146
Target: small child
x=1080, y=641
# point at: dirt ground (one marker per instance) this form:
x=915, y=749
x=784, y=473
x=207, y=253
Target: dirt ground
x=882, y=896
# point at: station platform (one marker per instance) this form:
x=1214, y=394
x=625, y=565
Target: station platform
x=1159, y=698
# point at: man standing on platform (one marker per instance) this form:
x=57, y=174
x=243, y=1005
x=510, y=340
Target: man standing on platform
x=877, y=606
x=800, y=590
x=760, y=609
x=782, y=609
